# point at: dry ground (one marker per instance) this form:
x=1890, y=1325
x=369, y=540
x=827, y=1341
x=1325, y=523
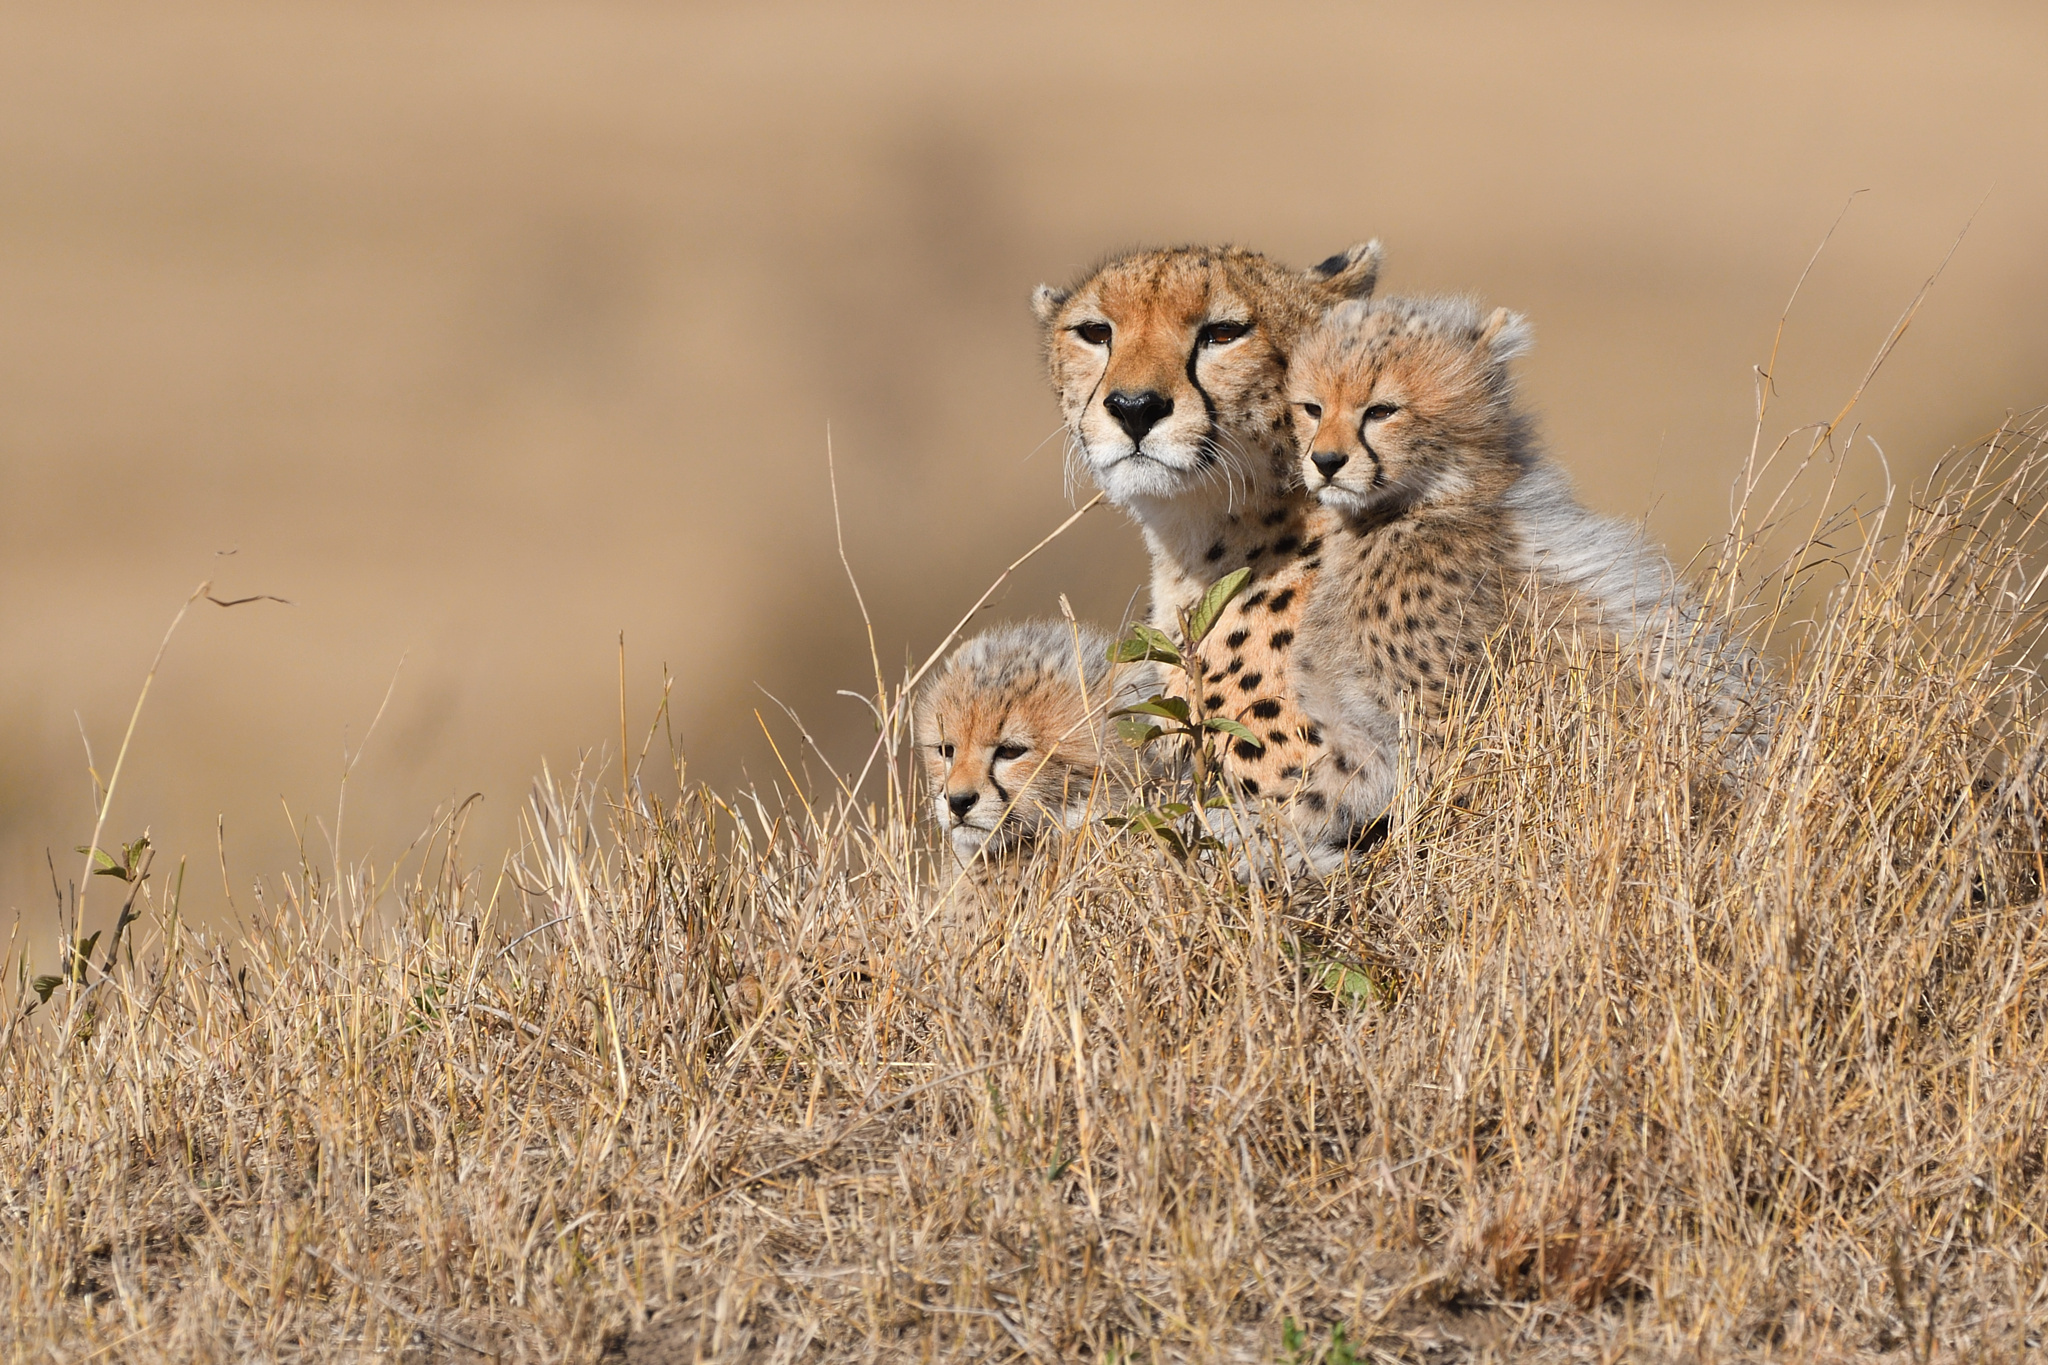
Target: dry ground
x=1609, y=1058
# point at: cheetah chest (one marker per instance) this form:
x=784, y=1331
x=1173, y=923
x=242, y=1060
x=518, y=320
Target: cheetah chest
x=1245, y=673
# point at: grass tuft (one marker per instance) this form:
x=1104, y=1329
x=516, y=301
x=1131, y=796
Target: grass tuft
x=1599, y=1053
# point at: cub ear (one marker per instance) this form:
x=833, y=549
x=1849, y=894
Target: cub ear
x=1047, y=301
x=1351, y=273
x=1505, y=336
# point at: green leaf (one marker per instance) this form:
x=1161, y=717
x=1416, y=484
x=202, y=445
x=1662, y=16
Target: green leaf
x=1144, y=643
x=1345, y=982
x=1231, y=727
x=1137, y=733
x=45, y=985
x=1173, y=708
x=100, y=857
x=82, y=954
x=1203, y=619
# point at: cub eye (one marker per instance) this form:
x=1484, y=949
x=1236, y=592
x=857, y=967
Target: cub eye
x=1222, y=333
x=1094, y=333
x=1008, y=750
x=945, y=750
x=1380, y=412
x=1314, y=411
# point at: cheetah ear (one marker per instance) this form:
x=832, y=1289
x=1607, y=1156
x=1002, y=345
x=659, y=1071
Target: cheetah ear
x=1505, y=336
x=1351, y=273
x=1047, y=301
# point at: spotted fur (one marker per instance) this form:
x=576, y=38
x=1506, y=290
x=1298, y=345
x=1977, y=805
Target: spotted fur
x=1409, y=433
x=1171, y=368
x=1015, y=738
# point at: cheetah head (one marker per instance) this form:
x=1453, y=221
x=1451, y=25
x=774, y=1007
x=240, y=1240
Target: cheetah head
x=1171, y=366
x=1402, y=402
x=1014, y=735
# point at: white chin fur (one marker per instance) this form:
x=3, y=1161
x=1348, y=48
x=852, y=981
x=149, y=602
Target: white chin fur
x=1339, y=498
x=1162, y=471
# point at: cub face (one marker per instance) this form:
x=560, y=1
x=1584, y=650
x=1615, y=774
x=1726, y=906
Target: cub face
x=1407, y=401
x=1170, y=364
x=1015, y=738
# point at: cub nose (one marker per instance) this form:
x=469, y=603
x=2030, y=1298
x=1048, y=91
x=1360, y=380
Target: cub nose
x=1138, y=413
x=1328, y=462
x=962, y=802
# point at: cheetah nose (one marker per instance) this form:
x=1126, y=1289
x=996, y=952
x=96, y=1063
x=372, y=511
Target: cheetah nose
x=961, y=803
x=1138, y=413
x=1328, y=462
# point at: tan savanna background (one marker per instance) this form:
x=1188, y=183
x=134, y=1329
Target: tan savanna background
x=486, y=333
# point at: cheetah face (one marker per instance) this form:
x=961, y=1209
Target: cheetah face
x=1405, y=402
x=1011, y=744
x=1002, y=796
x=1170, y=366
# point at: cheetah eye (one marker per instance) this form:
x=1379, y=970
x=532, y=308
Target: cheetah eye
x=1380, y=412
x=945, y=750
x=1223, y=333
x=1008, y=750
x=1314, y=411
x=1094, y=333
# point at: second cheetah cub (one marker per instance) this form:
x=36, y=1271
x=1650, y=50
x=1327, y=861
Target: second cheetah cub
x=1407, y=425
x=1015, y=735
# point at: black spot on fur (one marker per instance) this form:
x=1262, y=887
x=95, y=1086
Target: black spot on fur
x=1379, y=609
x=1278, y=738
x=1266, y=708
x=1250, y=682
x=1314, y=801
x=1290, y=772
x=1236, y=638
x=1254, y=599
x=1244, y=748
x=1287, y=545
x=1282, y=600
x=1213, y=700
x=1311, y=735
x=1274, y=518
x=1235, y=664
x=1215, y=552
x=1281, y=639
x=1343, y=763
x=1312, y=546
x=1250, y=785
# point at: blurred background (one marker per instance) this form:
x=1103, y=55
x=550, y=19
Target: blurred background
x=484, y=333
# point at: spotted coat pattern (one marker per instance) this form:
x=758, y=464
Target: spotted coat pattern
x=1207, y=333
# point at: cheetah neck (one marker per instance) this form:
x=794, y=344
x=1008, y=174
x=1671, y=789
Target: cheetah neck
x=1193, y=547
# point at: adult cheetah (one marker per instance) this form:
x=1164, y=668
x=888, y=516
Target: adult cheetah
x=1171, y=369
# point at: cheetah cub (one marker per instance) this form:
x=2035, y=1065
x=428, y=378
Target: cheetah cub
x=1408, y=429
x=1015, y=734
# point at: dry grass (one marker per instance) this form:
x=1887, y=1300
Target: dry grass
x=1652, y=1065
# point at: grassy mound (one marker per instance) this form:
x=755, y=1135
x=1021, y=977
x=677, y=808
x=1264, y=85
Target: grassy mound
x=1606, y=1055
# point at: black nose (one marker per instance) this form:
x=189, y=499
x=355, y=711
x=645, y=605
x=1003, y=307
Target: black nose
x=1328, y=462
x=962, y=802
x=1138, y=413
